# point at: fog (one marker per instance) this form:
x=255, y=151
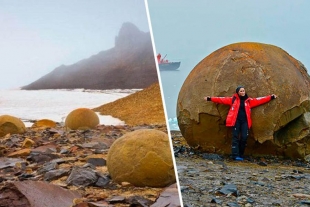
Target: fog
x=188, y=31
x=38, y=36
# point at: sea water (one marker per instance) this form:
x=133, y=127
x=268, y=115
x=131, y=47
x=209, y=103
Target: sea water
x=29, y=105
x=171, y=84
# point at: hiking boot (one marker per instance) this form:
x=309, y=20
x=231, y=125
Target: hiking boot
x=238, y=158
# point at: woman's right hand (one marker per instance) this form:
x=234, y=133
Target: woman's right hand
x=207, y=98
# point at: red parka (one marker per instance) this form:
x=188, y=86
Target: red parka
x=234, y=107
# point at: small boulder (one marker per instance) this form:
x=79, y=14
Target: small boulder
x=11, y=125
x=44, y=123
x=142, y=158
x=82, y=118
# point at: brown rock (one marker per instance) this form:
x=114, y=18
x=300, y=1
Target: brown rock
x=82, y=118
x=36, y=194
x=169, y=197
x=27, y=143
x=142, y=158
x=20, y=153
x=280, y=127
x=11, y=125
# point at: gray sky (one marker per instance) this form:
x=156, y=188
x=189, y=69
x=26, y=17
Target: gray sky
x=39, y=35
x=190, y=30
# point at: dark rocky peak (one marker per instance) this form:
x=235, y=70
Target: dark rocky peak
x=130, y=36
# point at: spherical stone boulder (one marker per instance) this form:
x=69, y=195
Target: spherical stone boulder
x=280, y=127
x=142, y=158
x=11, y=125
x=82, y=118
x=44, y=123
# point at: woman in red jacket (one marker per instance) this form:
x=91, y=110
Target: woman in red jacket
x=239, y=117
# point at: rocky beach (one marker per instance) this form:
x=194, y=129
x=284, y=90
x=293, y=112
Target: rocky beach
x=50, y=165
x=216, y=180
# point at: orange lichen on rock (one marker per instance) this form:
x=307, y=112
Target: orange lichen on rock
x=142, y=107
x=44, y=123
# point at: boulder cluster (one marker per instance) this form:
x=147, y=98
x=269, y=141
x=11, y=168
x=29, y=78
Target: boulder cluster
x=85, y=164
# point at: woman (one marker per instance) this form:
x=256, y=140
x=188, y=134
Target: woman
x=239, y=117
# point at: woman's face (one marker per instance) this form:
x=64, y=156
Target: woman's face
x=241, y=92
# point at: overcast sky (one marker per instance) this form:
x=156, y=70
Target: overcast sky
x=39, y=35
x=186, y=29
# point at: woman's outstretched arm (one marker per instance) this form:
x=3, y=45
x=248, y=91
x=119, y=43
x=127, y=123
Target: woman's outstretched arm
x=261, y=100
x=220, y=100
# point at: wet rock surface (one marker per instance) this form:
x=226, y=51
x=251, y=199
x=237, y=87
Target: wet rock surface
x=73, y=162
x=215, y=180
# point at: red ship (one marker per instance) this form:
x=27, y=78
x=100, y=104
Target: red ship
x=164, y=64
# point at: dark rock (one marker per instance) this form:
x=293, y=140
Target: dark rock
x=55, y=174
x=41, y=157
x=233, y=204
x=94, y=145
x=89, y=165
x=46, y=149
x=209, y=156
x=64, y=160
x=230, y=189
x=97, y=161
x=305, y=202
x=262, y=163
x=102, y=181
x=217, y=201
x=47, y=167
x=298, y=171
x=9, y=162
x=82, y=177
x=25, y=176
x=249, y=200
x=64, y=151
x=138, y=201
x=116, y=199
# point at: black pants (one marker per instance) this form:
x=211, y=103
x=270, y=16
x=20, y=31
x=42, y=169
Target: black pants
x=239, y=138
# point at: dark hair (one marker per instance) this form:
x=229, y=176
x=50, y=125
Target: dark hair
x=238, y=88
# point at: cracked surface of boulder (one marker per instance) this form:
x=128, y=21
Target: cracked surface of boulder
x=11, y=125
x=142, y=158
x=280, y=127
x=82, y=118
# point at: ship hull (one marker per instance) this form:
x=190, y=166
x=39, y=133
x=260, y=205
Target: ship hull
x=169, y=66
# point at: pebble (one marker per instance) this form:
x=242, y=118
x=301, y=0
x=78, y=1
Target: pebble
x=256, y=184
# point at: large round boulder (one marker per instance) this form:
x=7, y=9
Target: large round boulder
x=11, y=125
x=280, y=127
x=142, y=158
x=82, y=118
